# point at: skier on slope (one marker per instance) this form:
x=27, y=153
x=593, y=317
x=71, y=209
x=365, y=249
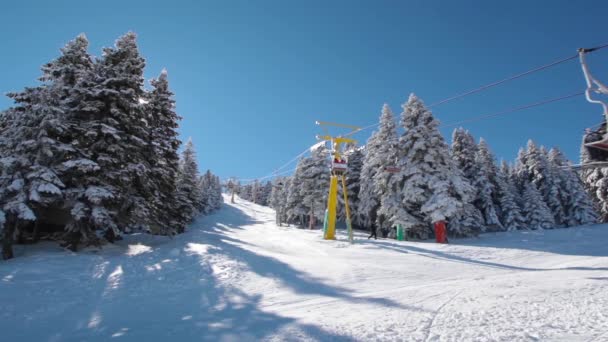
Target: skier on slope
x=373, y=233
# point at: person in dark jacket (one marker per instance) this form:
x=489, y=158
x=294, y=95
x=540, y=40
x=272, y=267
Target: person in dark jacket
x=373, y=233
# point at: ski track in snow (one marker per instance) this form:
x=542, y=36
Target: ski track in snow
x=236, y=276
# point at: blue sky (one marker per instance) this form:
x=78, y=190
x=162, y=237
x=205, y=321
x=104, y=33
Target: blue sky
x=251, y=77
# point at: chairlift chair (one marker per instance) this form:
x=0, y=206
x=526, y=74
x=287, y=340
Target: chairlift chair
x=595, y=139
x=339, y=166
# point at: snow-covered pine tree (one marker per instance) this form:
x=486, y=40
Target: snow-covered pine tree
x=353, y=185
x=545, y=180
x=519, y=172
x=315, y=185
x=379, y=153
x=463, y=151
x=484, y=180
x=576, y=201
x=510, y=214
x=537, y=213
x=37, y=131
x=265, y=193
x=233, y=187
x=255, y=191
x=205, y=206
x=188, y=192
x=122, y=89
x=218, y=193
x=211, y=192
x=282, y=208
x=275, y=201
x=428, y=185
x=469, y=220
x=162, y=152
x=95, y=151
x=295, y=208
x=110, y=191
x=246, y=192
x=14, y=197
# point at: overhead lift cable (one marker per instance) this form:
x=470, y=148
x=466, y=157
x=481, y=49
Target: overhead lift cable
x=512, y=110
x=471, y=92
x=505, y=80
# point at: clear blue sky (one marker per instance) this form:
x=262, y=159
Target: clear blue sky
x=251, y=77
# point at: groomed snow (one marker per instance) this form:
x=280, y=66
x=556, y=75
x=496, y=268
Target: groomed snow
x=236, y=276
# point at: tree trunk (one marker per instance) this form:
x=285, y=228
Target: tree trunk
x=109, y=235
x=7, y=237
x=36, y=234
x=73, y=241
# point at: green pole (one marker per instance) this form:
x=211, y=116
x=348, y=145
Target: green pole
x=400, y=234
x=350, y=230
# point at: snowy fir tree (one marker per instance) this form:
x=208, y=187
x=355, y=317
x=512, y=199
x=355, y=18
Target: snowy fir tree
x=162, y=149
x=541, y=174
x=274, y=201
x=295, y=208
x=246, y=192
x=211, y=193
x=484, y=181
x=463, y=151
x=315, y=184
x=379, y=154
x=255, y=191
x=282, y=195
x=469, y=220
x=537, y=213
x=36, y=138
x=352, y=179
x=89, y=150
x=277, y=198
x=265, y=193
x=577, y=203
x=260, y=192
x=519, y=172
x=188, y=190
x=511, y=215
x=428, y=186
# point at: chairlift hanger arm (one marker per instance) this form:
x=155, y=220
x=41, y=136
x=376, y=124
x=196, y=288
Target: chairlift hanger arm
x=591, y=81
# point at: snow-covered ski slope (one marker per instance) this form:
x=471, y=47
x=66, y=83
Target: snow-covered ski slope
x=236, y=276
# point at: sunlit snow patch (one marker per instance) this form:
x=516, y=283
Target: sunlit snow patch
x=95, y=320
x=138, y=249
x=196, y=248
x=114, y=280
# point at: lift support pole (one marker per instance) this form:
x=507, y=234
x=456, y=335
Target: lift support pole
x=332, y=201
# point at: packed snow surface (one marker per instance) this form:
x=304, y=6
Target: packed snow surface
x=236, y=276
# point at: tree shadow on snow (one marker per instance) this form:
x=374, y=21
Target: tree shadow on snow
x=443, y=256
x=598, y=278
x=582, y=241
x=168, y=293
x=298, y=281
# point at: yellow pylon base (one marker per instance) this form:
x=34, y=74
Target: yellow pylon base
x=330, y=233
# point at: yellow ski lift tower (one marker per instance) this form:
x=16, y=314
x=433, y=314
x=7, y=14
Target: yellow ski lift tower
x=339, y=167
